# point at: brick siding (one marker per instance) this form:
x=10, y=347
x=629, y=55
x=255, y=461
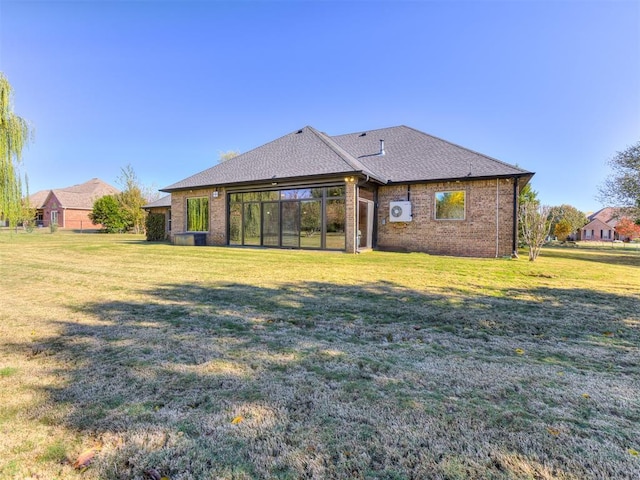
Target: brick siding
x=475, y=236
x=217, y=234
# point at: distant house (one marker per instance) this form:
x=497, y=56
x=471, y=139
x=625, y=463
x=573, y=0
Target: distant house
x=394, y=189
x=69, y=207
x=602, y=225
x=161, y=206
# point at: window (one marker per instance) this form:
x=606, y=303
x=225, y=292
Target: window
x=450, y=205
x=198, y=214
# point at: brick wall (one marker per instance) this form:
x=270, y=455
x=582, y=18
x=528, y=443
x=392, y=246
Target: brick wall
x=67, y=217
x=478, y=235
x=350, y=208
x=77, y=220
x=217, y=234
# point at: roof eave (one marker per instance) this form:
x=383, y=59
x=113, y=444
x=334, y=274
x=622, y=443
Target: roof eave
x=274, y=181
x=526, y=175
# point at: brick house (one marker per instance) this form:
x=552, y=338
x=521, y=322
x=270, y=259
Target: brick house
x=392, y=189
x=69, y=207
x=602, y=225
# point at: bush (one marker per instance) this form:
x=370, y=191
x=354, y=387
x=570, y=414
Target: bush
x=155, y=227
x=107, y=211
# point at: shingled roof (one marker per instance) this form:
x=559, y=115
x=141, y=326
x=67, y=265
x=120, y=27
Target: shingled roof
x=409, y=156
x=36, y=200
x=79, y=196
x=159, y=203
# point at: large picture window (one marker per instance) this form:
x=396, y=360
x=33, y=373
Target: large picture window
x=198, y=214
x=450, y=205
x=292, y=218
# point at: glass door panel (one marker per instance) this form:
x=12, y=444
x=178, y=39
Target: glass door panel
x=336, y=218
x=271, y=224
x=251, y=224
x=311, y=224
x=291, y=224
x=235, y=224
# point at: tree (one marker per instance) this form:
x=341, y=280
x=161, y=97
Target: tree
x=622, y=187
x=14, y=136
x=107, y=211
x=571, y=215
x=27, y=215
x=527, y=195
x=131, y=200
x=562, y=229
x=224, y=156
x=626, y=227
x=535, y=225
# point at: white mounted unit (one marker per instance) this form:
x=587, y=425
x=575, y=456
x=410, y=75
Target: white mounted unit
x=400, y=211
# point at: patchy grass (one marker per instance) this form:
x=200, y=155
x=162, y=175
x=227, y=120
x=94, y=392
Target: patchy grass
x=202, y=362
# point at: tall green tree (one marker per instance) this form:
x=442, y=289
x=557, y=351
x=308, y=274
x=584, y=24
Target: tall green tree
x=570, y=217
x=131, y=199
x=108, y=212
x=622, y=187
x=14, y=136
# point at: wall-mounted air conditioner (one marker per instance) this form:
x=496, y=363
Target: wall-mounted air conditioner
x=399, y=211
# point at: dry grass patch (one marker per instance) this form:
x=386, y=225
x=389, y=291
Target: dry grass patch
x=232, y=363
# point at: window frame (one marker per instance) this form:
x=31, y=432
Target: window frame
x=323, y=194
x=201, y=198
x=464, y=206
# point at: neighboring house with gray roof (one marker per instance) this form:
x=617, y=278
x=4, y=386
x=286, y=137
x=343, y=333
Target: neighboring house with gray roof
x=394, y=188
x=69, y=207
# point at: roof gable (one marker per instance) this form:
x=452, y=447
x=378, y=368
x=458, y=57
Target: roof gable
x=597, y=224
x=38, y=199
x=303, y=153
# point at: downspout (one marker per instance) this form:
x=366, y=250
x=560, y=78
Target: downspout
x=374, y=233
x=514, y=254
x=497, y=222
x=355, y=215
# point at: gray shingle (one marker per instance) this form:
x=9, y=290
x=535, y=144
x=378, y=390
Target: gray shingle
x=161, y=202
x=411, y=156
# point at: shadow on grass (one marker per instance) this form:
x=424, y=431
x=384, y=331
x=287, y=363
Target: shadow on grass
x=629, y=257
x=331, y=380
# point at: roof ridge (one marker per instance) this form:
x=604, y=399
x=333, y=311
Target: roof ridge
x=349, y=159
x=367, y=131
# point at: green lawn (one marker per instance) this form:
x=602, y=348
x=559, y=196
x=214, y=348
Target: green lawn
x=207, y=363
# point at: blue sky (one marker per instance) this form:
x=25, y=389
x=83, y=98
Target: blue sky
x=165, y=86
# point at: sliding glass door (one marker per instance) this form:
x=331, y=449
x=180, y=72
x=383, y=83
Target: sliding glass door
x=293, y=218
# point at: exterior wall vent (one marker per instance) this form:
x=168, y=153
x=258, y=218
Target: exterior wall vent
x=400, y=211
